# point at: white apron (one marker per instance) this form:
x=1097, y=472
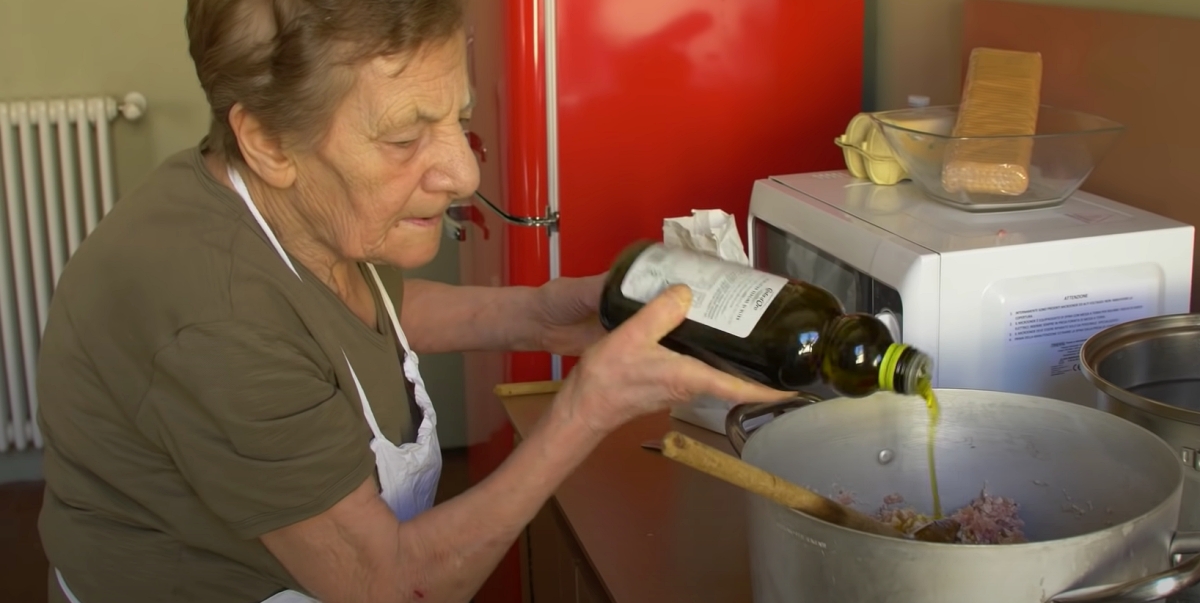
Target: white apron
x=409, y=473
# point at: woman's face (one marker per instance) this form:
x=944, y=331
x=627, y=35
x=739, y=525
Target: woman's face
x=395, y=156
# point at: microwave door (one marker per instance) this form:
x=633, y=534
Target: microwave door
x=783, y=253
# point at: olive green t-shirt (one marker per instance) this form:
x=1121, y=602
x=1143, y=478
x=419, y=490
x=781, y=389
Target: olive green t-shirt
x=194, y=396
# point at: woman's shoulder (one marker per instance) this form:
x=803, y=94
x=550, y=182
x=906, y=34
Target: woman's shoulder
x=177, y=247
x=180, y=187
x=176, y=207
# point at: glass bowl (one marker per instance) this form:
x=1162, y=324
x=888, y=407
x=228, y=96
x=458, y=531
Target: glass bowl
x=1062, y=153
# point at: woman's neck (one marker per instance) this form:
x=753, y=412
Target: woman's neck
x=298, y=236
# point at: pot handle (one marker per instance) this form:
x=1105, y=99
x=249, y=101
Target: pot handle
x=1154, y=587
x=735, y=421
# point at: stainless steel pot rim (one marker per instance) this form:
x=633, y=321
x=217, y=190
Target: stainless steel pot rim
x=984, y=549
x=1107, y=341
x=1179, y=575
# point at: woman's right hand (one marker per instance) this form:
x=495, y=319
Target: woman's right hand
x=627, y=373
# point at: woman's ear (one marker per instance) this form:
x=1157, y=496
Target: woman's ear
x=261, y=150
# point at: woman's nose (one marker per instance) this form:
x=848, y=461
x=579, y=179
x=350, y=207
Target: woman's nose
x=455, y=170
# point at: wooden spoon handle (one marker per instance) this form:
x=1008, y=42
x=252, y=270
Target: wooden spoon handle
x=530, y=388
x=709, y=460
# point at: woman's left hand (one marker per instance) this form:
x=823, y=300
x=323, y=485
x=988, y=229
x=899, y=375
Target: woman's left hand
x=566, y=315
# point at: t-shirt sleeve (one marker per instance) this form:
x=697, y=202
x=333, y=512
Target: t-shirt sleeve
x=255, y=425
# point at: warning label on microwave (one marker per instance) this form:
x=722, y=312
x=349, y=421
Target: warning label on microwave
x=1063, y=326
x=1073, y=319
x=1064, y=357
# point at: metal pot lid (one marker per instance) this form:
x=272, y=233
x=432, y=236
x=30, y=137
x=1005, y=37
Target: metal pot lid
x=1152, y=364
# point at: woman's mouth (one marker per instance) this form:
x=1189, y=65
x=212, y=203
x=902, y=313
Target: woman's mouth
x=433, y=222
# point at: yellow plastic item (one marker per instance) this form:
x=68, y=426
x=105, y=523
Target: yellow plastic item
x=867, y=152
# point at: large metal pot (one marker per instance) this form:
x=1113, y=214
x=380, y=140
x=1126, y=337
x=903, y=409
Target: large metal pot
x=1148, y=371
x=1099, y=495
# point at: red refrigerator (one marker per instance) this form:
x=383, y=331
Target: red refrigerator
x=596, y=119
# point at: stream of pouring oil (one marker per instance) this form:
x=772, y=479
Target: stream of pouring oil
x=925, y=390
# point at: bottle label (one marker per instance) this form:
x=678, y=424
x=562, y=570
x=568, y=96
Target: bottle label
x=725, y=296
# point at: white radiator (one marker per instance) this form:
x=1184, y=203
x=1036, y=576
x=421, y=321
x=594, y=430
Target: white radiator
x=56, y=182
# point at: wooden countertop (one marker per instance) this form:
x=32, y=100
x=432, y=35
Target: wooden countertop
x=653, y=530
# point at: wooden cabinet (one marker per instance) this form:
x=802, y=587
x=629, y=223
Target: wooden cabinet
x=553, y=566
x=557, y=570
x=585, y=548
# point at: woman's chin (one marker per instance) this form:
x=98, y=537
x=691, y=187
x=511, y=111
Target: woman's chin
x=413, y=247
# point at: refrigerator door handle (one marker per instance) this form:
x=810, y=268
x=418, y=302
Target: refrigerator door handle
x=550, y=220
x=453, y=228
x=461, y=213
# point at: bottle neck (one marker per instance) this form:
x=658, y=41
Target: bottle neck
x=904, y=369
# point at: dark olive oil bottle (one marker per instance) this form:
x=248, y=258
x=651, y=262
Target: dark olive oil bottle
x=783, y=333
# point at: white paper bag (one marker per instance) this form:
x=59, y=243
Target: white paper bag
x=709, y=231
x=715, y=233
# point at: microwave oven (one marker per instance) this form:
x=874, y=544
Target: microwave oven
x=1001, y=300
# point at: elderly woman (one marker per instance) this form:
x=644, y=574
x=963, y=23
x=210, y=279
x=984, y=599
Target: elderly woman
x=232, y=405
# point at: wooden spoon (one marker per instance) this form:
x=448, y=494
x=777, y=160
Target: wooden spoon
x=707, y=459
x=527, y=388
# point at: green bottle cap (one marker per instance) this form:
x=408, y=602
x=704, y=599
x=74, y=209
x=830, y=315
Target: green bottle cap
x=887, y=367
x=904, y=369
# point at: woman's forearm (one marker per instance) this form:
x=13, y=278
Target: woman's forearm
x=357, y=551
x=471, y=533
x=441, y=318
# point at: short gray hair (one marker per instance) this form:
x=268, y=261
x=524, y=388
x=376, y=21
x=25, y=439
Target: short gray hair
x=286, y=61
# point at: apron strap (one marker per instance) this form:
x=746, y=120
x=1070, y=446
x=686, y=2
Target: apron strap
x=391, y=309
x=65, y=589
x=240, y=186
x=412, y=362
x=362, y=398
